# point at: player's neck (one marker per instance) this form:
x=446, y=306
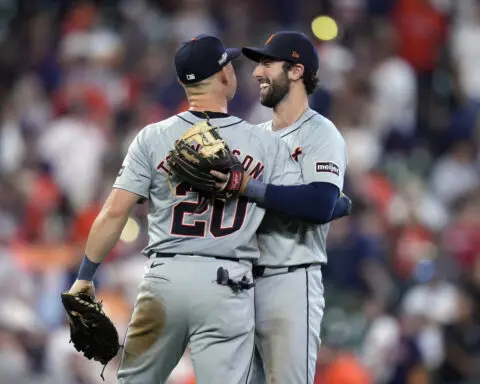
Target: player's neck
x=289, y=109
x=203, y=103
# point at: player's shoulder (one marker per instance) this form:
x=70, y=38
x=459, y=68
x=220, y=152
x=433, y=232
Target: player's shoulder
x=266, y=137
x=320, y=126
x=265, y=126
x=258, y=132
x=262, y=130
x=162, y=130
x=153, y=137
x=161, y=125
x=321, y=123
x=261, y=141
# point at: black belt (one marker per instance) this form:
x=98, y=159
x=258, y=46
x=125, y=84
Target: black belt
x=161, y=255
x=223, y=277
x=259, y=270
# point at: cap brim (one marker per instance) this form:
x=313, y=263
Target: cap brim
x=257, y=54
x=233, y=53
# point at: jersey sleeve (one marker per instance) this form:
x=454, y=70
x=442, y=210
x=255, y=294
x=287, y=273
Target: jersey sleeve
x=135, y=175
x=285, y=170
x=324, y=156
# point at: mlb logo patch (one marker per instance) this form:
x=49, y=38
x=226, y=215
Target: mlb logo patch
x=327, y=167
x=190, y=76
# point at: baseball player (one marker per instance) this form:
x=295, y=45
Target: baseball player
x=196, y=287
x=289, y=300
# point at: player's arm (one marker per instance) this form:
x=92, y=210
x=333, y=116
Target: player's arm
x=131, y=186
x=108, y=226
x=319, y=201
x=343, y=207
x=323, y=169
x=343, y=204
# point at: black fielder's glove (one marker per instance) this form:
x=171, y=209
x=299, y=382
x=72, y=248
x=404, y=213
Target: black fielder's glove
x=91, y=331
x=200, y=150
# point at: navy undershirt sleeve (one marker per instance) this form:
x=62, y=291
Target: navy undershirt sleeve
x=342, y=208
x=312, y=202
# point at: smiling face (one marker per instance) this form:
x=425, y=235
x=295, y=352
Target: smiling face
x=274, y=81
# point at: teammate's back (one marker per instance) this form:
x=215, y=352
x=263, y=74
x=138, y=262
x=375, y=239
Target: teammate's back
x=184, y=279
x=175, y=223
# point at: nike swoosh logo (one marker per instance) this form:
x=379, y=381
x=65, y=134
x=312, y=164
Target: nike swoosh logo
x=156, y=264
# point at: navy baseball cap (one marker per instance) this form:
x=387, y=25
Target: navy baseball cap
x=202, y=57
x=294, y=47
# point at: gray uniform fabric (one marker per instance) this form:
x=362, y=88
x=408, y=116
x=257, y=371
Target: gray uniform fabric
x=289, y=305
x=180, y=302
x=319, y=149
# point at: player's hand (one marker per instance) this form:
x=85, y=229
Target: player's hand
x=83, y=286
x=224, y=182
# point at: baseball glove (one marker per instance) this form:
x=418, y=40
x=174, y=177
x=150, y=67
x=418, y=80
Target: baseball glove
x=200, y=150
x=91, y=331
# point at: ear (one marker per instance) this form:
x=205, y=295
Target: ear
x=296, y=72
x=224, y=76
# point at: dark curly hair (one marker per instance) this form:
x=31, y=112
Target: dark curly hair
x=310, y=80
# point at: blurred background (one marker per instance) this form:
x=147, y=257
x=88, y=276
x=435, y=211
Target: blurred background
x=400, y=79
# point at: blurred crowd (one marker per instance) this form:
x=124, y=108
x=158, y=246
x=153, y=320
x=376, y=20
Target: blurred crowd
x=401, y=81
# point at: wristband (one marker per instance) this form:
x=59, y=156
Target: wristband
x=256, y=190
x=87, y=269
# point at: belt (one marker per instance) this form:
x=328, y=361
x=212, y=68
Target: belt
x=161, y=255
x=259, y=270
x=223, y=277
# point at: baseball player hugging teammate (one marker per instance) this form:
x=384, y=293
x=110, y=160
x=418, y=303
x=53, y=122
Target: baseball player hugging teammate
x=204, y=213
x=289, y=300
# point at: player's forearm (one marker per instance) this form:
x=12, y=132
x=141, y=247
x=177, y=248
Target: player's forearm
x=312, y=202
x=103, y=236
x=105, y=232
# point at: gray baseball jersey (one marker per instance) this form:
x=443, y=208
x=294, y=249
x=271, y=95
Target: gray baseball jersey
x=226, y=230
x=289, y=306
x=319, y=148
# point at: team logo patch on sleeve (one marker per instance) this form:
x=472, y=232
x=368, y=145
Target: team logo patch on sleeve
x=327, y=167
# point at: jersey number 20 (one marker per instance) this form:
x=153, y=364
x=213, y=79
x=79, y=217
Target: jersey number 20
x=199, y=227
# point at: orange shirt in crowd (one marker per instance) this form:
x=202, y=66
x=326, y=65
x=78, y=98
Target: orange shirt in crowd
x=344, y=369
